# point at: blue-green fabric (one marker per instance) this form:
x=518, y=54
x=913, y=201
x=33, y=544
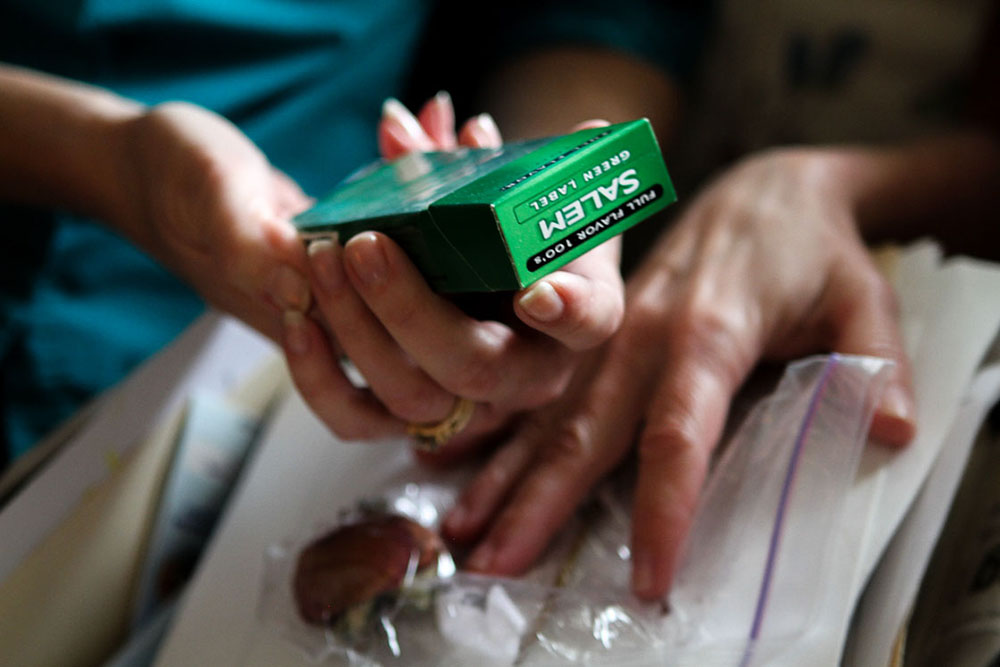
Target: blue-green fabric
x=304, y=79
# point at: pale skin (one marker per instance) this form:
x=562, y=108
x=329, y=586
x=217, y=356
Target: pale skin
x=176, y=179
x=188, y=187
x=701, y=311
x=767, y=263
x=416, y=349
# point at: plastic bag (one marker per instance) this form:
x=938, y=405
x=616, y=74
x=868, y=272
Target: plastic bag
x=747, y=589
x=751, y=582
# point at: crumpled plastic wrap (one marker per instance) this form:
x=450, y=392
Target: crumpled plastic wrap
x=748, y=588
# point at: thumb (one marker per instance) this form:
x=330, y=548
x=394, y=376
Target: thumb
x=256, y=248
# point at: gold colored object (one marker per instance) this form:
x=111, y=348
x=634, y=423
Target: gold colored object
x=431, y=436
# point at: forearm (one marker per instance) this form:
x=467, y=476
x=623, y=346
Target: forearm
x=546, y=92
x=947, y=187
x=59, y=144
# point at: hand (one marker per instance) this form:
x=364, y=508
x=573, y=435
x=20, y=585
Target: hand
x=206, y=203
x=417, y=350
x=766, y=264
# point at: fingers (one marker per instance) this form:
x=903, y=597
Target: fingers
x=349, y=412
x=480, y=132
x=403, y=388
x=255, y=247
x=483, y=496
x=580, y=306
x=590, y=124
x=438, y=119
x=557, y=461
x=281, y=259
x=683, y=425
x=483, y=361
x=399, y=132
x=867, y=323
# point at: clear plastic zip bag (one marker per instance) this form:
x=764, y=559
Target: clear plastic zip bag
x=749, y=587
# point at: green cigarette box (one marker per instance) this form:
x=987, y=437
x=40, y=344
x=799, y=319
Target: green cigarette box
x=477, y=220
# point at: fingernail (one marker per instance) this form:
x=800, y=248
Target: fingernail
x=445, y=107
x=643, y=576
x=542, y=302
x=896, y=403
x=324, y=257
x=366, y=259
x=405, y=126
x=289, y=289
x=295, y=332
x=443, y=119
x=894, y=422
x=481, y=559
x=486, y=132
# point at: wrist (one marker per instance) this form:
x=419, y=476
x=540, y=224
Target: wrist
x=863, y=182
x=114, y=185
x=900, y=193
x=121, y=186
x=57, y=142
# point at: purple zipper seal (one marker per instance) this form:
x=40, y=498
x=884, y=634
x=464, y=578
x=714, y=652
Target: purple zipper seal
x=779, y=519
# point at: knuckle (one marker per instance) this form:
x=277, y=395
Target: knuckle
x=572, y=440
x=669, y=440
x=478, y=379
x=495, y=476
x=715, y=336
x=480, y=376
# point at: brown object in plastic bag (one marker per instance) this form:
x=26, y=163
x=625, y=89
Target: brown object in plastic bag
x=358, y=562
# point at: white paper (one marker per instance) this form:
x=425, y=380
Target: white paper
x=950, y=314
x=297, y=455
x=956, y=334
x=216, y=354
x=894, y=585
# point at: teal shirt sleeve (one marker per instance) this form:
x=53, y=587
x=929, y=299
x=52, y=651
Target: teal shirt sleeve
x=304, y=79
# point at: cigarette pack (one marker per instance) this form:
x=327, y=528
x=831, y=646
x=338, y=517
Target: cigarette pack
x=476, y=220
